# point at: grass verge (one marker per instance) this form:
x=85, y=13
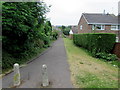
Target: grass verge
x=87, y=71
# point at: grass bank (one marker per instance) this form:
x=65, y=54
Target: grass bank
x=87, y=71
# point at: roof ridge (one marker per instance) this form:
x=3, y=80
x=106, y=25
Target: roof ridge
x=92, y=13
x=97, y=14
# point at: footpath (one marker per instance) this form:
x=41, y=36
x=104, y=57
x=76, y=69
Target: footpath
x=58, y=69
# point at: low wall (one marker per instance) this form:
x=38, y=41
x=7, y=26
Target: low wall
x=116, y=49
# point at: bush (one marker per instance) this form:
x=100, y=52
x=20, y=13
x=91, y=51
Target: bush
x=105, y=56
x=95, y=42
x=66, y=32
x=7, y=60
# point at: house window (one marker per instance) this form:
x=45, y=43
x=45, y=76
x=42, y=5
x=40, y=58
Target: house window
x=80, y=27
x=118, y=27
x=98, y=27
x=93, y=27
x=115, y=27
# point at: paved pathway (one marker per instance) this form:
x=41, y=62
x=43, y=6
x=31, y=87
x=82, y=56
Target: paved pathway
x=58, y=69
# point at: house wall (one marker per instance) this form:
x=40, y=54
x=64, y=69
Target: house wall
x=85, y=27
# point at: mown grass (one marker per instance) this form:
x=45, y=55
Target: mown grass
x=87, y=71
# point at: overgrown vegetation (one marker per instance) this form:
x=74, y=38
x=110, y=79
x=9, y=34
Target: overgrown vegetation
x=55, y=34
x=99, y=44
x=25, y=31
x=89, y=72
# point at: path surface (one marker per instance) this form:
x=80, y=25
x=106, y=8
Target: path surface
x=58, y=69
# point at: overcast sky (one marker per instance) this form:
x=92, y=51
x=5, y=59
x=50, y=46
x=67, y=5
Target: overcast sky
x=68, y=12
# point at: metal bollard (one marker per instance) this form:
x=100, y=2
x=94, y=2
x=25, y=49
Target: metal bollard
x=45, y=81
x=16, y=78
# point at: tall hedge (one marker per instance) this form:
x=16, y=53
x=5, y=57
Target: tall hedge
x=95, y=42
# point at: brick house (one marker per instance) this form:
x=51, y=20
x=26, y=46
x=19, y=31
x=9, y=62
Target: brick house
x=99, y=23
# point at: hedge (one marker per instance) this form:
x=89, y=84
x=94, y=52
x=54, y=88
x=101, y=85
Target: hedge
x=95, y=42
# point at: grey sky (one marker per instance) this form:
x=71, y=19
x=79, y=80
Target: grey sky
x=68, y=12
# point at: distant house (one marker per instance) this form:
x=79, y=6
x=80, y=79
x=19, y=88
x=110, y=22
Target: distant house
x=99, y=23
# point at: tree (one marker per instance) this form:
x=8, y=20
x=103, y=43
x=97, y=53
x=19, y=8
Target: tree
x=63, y=27
x=21, y=25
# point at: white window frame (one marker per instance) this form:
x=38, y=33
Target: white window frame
x=94, y=27
x=81, y=27
x=114, y=27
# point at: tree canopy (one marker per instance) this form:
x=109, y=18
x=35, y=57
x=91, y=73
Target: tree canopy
x=25, y=29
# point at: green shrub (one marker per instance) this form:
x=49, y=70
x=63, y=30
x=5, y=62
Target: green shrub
x=39, y=43
x=7, y=60
x=95, y=42
x=66, y=32
x=55, y=34
x=105, y=56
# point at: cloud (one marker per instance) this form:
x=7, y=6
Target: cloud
x=68, y=12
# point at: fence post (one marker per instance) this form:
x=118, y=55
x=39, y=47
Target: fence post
x=16, y=75
x=45, y=81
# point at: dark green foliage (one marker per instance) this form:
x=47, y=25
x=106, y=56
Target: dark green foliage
x=55, y=34
x=20, y=25
x=63, y=27
x=99, y=44
x=24, y=30
x=66, y=30
x=7, y=60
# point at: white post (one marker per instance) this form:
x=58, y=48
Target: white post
x=45, y=81
x=16, y=75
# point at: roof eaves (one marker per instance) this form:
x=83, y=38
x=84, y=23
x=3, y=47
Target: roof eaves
x=85, y=19
x=106, y=23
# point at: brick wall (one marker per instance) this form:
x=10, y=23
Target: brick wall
x=116, y=49
x=85, y=27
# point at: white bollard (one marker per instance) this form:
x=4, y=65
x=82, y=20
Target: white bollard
x=16, y=75
x=45, y=81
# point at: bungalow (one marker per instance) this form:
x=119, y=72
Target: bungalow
x=99, y=23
